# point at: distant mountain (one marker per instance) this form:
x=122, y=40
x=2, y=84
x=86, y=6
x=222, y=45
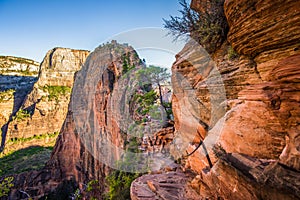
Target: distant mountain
x=10, y=65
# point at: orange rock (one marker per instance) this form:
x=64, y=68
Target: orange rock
x=259, y=127
x=151, y=186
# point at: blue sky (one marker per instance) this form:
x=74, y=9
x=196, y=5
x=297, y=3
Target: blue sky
x=29, y=28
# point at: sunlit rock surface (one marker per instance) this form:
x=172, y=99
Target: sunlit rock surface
x=246, y=103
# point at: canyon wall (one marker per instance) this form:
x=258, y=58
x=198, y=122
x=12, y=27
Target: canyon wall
x=45, y=107
x=93, y=128
x=236, y=109
x=236, y=115
x=255, y=121
x=93, y=134
x=59, y=65
x=17, y=76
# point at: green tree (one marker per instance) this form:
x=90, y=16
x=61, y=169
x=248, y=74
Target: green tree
x=184, y=25
x=119, y=181
x=5, y=186
x=127, y=63
x=156, y=76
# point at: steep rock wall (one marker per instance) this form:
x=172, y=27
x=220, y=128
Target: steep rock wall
x=259, y=127
x=275, y=48
x=59, y=65
x=17, y=76
x=47, y=103
x=96, y=118
x=98, y=96
x=13, y=91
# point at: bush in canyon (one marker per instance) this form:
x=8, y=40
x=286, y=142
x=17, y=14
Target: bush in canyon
x=156, y=76
x=119, y=181
x=21, y=115
x=208, y=26
x=5, y=185
x=126, y=63
x=54, y=92
x=232, y=54
x=119, y=185
x=6, y=95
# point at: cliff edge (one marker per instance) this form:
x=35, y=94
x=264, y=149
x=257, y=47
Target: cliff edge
x=236, y=109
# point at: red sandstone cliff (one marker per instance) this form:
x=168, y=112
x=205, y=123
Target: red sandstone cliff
x=261, y=122
x=248, y=106
x=93, y=132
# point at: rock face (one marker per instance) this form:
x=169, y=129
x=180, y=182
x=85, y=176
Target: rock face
x=46, y=105
x=246, y=106
x=169, y=185
x=16, y=80
x=256, y=121
x=10, y=65
x=94, y=119
x=99, y=89
x=13, y=90
x=277, y=64
x=273, y=27
x=59, y=66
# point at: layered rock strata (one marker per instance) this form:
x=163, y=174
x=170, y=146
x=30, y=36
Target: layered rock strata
x=259, y=125
x=94, y=132
x=169, y=185
x=17, y=78
x=237, y=114
x=46, y=105
x=10, y=65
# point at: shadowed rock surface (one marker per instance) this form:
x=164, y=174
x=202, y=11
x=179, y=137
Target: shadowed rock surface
x=165, y=186
x=17, y=78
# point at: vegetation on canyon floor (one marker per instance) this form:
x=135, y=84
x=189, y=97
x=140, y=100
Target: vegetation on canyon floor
x=31, y=157
x=27, y=159
x=35, y=137
x=5, y=186
x=119, y=181
x=91, y=191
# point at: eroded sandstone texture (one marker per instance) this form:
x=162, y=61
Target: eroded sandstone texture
x=47, y=103
x=93, y=131
x=59, y=65
x=169, y=185
x=248, y=106
x=257, y=123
